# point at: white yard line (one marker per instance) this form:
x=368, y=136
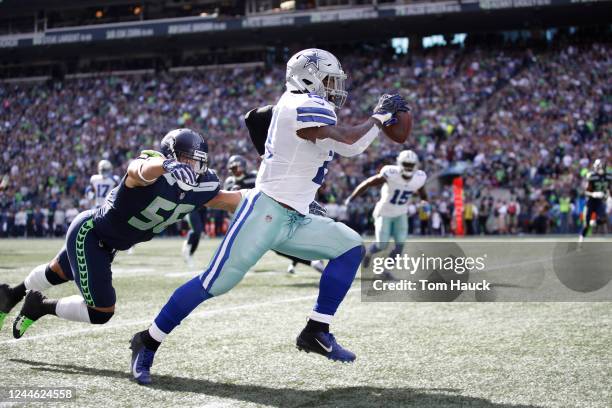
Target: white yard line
x=203, y=314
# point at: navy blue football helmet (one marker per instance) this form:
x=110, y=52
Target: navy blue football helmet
x=237, y=164
x=186, y=146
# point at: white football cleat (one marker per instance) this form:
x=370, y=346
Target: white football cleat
x=291, y=269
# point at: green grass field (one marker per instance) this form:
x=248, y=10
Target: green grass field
x=239, y=349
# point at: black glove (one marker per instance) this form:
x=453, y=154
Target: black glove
x=317, y=209
x=181, y=172
x=388, y=106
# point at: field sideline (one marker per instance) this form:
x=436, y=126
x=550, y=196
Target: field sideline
x=239, y=349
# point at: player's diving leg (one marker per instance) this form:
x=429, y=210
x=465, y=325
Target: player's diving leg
x=89, y=262
x=382, y=233
x=196, y=224
x=322, y=238
x=254, y=230
x=40, y=278
x=316, y=264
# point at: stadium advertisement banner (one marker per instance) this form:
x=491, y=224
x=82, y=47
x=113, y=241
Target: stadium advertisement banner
x=489, y=271
x=192, y=25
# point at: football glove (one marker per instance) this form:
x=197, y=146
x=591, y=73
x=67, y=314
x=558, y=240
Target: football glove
x=145, y=154
x=597, y=194
x=387, y=107
x=181, y=172
x=317, y=209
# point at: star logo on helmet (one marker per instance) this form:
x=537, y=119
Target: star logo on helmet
x=312, y=59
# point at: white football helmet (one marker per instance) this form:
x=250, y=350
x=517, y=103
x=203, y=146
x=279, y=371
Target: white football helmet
x=319, y=72
x=105, y=167
x=408, y=161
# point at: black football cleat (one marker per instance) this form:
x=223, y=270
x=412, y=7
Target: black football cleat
x=142, y=360
x=324, y=344
x=8, y=300
x=32, y=310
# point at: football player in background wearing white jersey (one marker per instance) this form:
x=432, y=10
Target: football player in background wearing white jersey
x=102, y=183
x=398, y=182
x=302, y=139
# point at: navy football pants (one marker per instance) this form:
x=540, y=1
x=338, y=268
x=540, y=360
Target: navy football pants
x=87, y=261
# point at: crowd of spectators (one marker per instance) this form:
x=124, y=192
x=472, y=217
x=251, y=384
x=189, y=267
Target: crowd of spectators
x=527, y=124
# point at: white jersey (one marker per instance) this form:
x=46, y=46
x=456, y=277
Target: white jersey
x=101, y=186
x=293, y=168
x=396, y=192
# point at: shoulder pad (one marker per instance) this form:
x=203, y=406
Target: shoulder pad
x=313, y=108
x=389, y=170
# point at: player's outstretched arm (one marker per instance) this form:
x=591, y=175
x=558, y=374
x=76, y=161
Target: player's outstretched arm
x=346, y=135
x=225, y=200
x=374, y=181
x=144, y=171
x=150, y=165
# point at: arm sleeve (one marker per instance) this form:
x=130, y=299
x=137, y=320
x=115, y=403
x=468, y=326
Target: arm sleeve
x=356, y=148
x=315, y=111
x=257, y=122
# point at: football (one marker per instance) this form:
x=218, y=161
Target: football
x=399, y=131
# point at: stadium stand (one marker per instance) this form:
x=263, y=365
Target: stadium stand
x=528, y=122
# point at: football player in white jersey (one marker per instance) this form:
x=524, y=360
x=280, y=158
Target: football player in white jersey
x=399, y=182
x=102, y=183
x=302, y=139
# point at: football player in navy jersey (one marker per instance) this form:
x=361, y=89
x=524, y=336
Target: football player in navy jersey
x=598, y=186
x=157, y=191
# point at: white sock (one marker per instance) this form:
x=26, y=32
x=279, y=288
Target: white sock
x=157, y=333
x=320, y=317
x=318, y=265
x=37, y=280
x=72, y=308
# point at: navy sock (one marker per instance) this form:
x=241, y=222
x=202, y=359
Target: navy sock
x=19, y=291
x=149, y=341
x=312, y=326
x=52, y=277
x=193, y=239
x=337, y=279
x=181, y=304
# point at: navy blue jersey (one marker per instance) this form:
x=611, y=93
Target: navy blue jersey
x=600, y=182
x=133, y=215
